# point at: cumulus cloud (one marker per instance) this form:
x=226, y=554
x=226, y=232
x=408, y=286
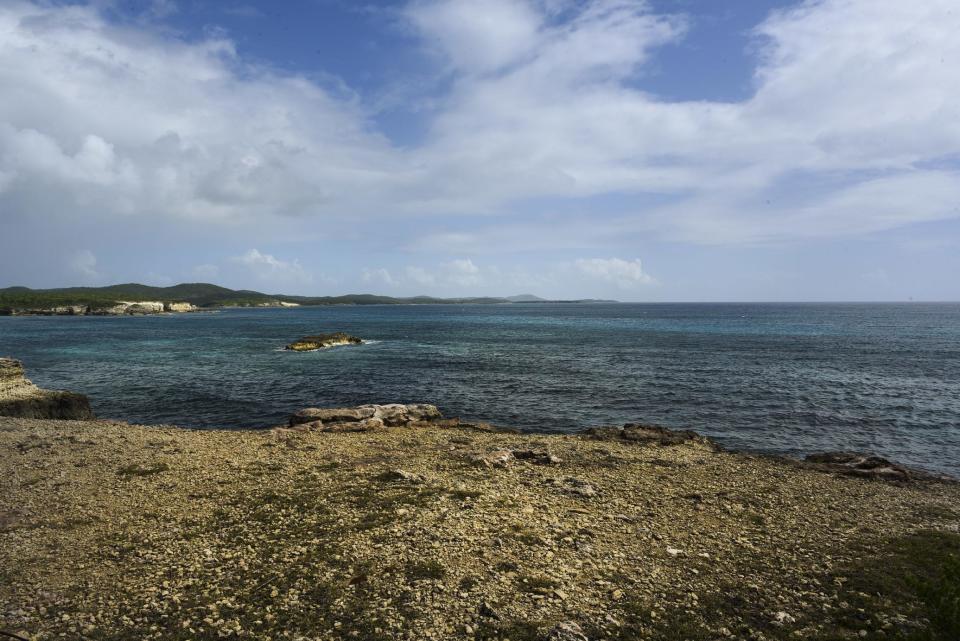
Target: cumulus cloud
x=83, y=264
x=847, y=91
x=206, y=272
x=380, y=275
x=270, y=269
x=419, y=276
x=123, y=120
x=457, y=274
x=463, y=272
x=853, y=127
x=625, y=274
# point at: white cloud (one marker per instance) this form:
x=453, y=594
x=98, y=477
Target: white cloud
x=855, y=97
x=625, y=274
x=457, y=273
x=273, y=270
x=380, y=275
x=419, y=275
x=478, y=37
x=463, y=272
x=206, y=272
x=84, y=265
x=104, y=119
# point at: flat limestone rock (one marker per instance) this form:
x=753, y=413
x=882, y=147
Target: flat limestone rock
x=365, y=417
x=321, y=341
x=21, y=398
x=336, y=414
x=638, y=433
x=856, y=464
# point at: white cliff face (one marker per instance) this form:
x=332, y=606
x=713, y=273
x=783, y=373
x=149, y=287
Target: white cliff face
x=142, y=307
x=286, y=304
x=121, y=308
x=180, y=307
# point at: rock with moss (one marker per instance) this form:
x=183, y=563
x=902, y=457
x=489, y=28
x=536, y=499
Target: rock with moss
x=21, y=398
x=321, y=341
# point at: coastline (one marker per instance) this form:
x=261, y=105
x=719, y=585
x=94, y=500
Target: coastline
x=111, y=531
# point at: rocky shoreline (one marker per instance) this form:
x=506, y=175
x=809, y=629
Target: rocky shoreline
x=117, y=308
x=393, y=522
x=19, y=397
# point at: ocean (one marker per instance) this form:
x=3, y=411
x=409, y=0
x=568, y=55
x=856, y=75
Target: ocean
x=783, y=378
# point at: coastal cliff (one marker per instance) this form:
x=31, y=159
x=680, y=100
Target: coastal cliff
x=118, y=308
x=19, y=397
x=393, y=522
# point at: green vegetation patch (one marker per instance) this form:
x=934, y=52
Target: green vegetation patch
x=905, y=589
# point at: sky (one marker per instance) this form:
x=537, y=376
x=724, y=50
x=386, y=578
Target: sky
x=641, y=150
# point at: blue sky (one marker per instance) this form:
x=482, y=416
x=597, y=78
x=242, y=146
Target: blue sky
x=659, y=150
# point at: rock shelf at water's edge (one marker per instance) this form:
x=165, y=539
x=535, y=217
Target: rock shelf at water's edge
x=20, y=397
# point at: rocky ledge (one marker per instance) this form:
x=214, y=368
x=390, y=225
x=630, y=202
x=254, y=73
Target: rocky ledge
x=321, y=341
x=20, y=397
x=387, y=522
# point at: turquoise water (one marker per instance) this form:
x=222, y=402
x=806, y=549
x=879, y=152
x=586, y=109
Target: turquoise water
x=788, y=378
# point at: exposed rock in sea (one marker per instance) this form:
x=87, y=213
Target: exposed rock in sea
x=364, y=418
x=21, y=398
x=320, y=341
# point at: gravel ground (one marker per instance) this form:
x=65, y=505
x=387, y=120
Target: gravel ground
x=115, y=531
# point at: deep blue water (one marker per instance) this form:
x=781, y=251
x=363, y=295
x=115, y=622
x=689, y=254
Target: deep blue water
x=789, y=378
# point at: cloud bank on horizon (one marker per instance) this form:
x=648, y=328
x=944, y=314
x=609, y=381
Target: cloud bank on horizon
x=531, y=153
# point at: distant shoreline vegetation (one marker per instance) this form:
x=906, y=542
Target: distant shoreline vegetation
x=133, y=298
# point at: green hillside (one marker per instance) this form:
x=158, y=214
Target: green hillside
x=200, y=294
x=211, y=296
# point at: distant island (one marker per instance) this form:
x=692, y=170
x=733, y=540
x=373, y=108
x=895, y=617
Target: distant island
x=137, y=299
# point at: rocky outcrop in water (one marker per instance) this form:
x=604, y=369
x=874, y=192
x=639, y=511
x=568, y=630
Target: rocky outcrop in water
x=320, y=341
x=21, y=398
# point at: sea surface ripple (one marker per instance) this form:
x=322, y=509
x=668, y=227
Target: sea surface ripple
x=786, y=378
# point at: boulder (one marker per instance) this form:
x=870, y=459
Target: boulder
x=856, y=464
x=365, y=417
x=496, y=458
x=537, y=457
x=365, y=425
x=337, y=414
x=21, y=398
x=638, y=433
x=320, y=341
x=397, y=414
x=566, y=631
